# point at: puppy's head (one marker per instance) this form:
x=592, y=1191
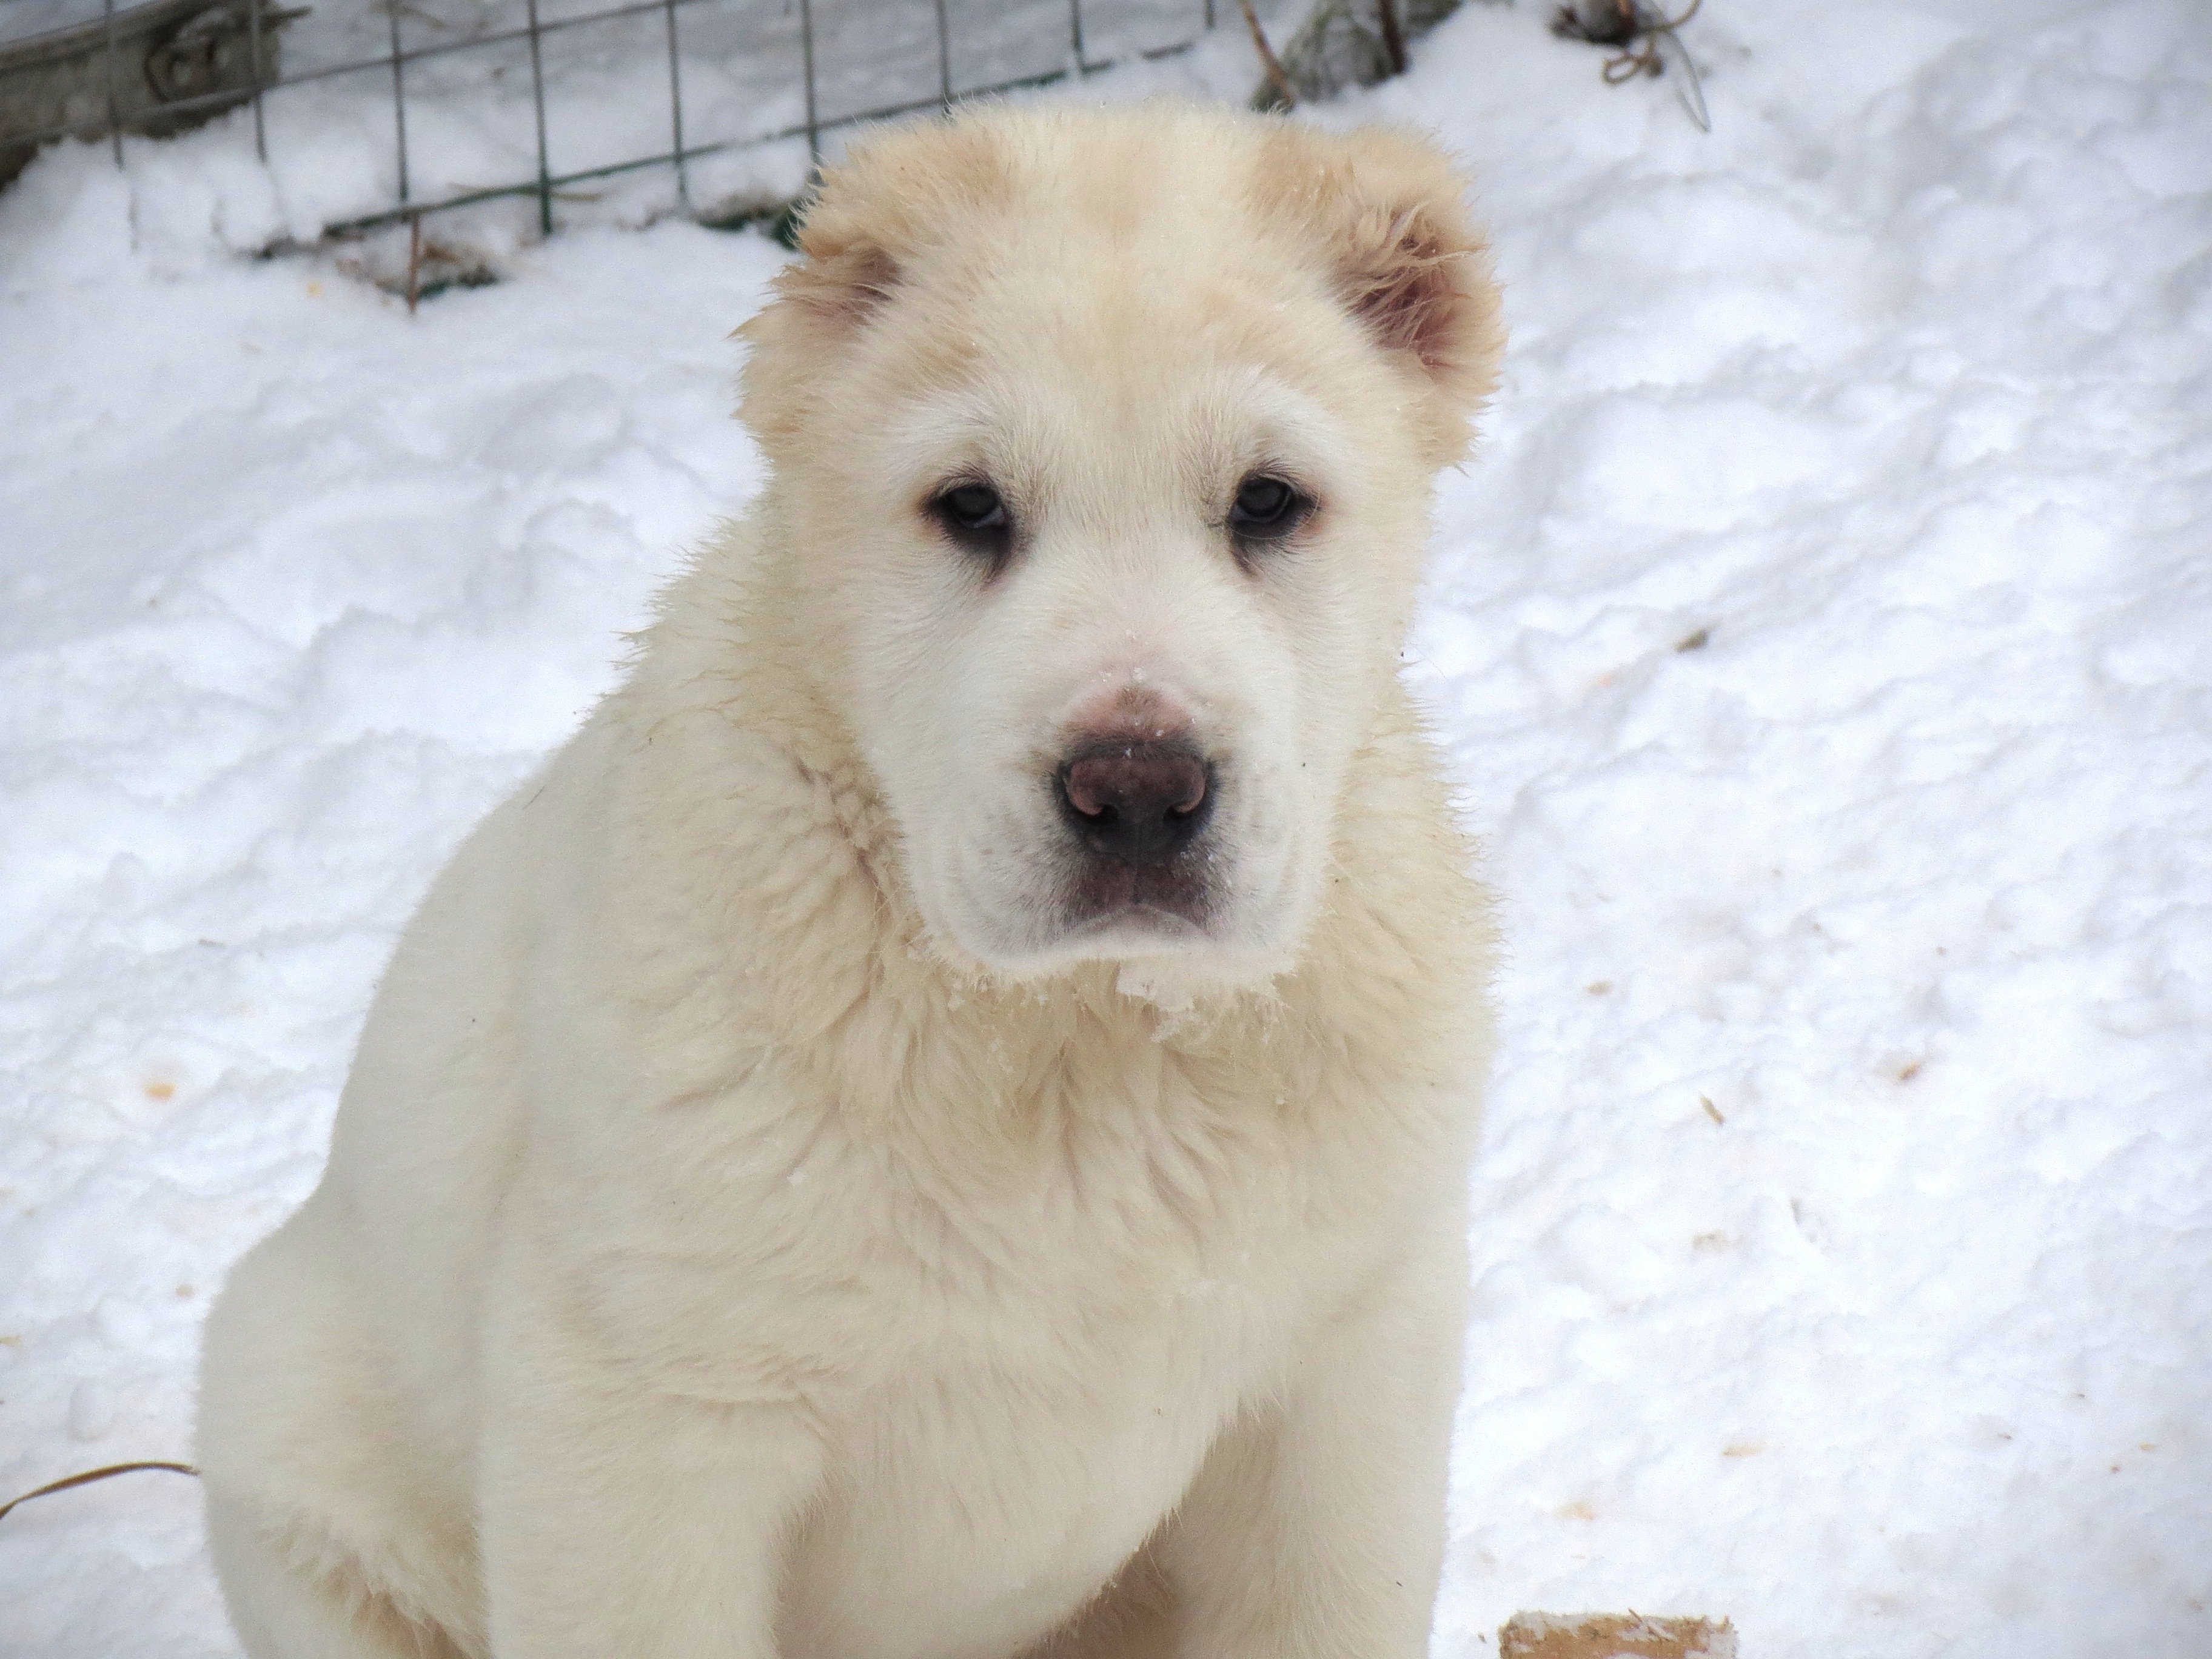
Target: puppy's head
x=1104, y=440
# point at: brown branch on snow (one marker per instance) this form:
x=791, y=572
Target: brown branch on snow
x=1644, y=36
x=1394, y=38
x=1622, y=23
x=1280, y=80
x=89, y=1477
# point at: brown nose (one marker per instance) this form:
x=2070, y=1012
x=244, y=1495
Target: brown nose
x=1136, y=803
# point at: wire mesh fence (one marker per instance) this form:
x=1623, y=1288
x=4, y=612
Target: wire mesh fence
x=415, y=107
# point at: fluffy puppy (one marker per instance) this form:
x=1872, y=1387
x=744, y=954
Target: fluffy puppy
x=936, y=1127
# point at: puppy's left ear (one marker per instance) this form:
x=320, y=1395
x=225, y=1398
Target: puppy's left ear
x=1407, y=261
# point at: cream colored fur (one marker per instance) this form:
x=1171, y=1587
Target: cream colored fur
x=754, y=1226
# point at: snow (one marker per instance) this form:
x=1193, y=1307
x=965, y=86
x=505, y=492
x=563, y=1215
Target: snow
x=333, y=143
x=1823, y=641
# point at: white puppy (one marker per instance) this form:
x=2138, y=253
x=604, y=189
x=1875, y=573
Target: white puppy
x=936, y=1127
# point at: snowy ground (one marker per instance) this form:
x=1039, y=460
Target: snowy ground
x=1824, y=639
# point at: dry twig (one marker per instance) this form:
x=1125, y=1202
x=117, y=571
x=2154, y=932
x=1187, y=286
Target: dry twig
x=1644, y=36
x=89, y=1476
x=1280, y=80
x=1394, y=38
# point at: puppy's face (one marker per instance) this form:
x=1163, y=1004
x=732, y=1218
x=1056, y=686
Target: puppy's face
x=1115, y=645
x=1118, y=496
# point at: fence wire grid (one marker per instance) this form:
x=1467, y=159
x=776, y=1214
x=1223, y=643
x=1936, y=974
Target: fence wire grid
x=481, y=82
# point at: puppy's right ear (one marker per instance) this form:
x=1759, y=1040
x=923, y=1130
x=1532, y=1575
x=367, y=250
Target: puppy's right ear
x=881, y=208
x=840, y=281
x=822, y=300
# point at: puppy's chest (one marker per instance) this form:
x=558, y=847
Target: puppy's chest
x=1121, y=1212
x=1050, y=1353
x=1100, y=1235
x=1084, y=1244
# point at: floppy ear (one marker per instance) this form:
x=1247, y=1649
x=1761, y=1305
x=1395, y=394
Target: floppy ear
x=821, y=299
x=1406, y=258
x=840, y=281
x=883, y=206
x=1423, y=290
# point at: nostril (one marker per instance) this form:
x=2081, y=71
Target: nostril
x=1137, y=777
x=1084, y=784
x=1139, y=803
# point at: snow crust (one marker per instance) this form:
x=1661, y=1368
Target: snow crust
x=1823, y=640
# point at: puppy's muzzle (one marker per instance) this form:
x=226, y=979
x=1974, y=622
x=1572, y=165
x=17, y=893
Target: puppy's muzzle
x=1138, y=804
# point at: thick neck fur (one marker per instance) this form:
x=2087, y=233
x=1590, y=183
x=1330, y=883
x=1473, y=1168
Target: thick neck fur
x=756, y=883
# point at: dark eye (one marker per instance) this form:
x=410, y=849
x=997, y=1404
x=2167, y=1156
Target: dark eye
x=975, y=517
x=1268, y=508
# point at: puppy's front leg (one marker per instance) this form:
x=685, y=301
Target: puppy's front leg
x=621, y=1521
x=1316, y=1529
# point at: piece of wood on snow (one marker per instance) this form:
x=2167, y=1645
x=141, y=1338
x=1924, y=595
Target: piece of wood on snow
x=1613, y=1636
